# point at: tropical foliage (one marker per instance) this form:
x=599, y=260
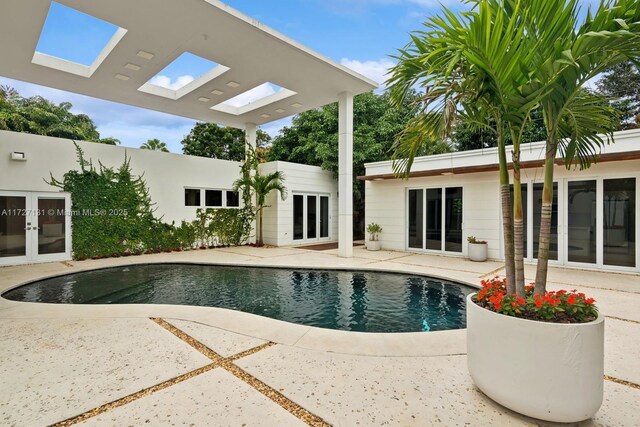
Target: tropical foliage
x=155, y=145
x=497, y=65
x=39, y=116
x=218, y=142
x=256, y=187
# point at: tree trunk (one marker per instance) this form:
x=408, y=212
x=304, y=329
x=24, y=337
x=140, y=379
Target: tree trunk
x=545, y=218
x=507, y=218
x=518, y=226
x=260, y=243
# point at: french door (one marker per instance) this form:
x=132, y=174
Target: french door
x=601, y=218
x=435, y=219
x=310, y=217
x=34, y=227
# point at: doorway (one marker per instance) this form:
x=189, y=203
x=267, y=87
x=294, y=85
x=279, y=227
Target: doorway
x=34, y=227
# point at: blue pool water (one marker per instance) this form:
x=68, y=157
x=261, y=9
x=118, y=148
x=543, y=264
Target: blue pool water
x=351, y=301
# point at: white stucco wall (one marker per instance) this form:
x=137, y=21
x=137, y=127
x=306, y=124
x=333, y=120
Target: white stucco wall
x=299, y=179
x=166, y=174
x=386, y=200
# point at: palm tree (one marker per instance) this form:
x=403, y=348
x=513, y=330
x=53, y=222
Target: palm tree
x=574, y=118
x=261, y=186
x=470, y=66
x=155, y=145
x=497, y=64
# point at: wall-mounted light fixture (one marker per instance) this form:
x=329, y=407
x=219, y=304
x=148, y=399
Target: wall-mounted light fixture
x=19, y=156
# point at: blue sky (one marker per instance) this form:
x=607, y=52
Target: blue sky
x=360, y=34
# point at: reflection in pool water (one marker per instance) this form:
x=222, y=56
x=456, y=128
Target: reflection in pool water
x=352, y=301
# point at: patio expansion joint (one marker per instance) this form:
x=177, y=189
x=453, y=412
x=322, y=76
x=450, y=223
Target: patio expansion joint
x=622, y=382
x=133, y=397
x=227, y=364
x=622, y=319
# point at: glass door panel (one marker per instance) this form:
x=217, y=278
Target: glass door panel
x=298, y=217
x=324, y=217
x=581, y=214
x=416, y=218
x=537, y=211
x=311, y=217
x=453, y=220
x=619, y=222
x=51, y=226
x=434, y=219
x=13, y=225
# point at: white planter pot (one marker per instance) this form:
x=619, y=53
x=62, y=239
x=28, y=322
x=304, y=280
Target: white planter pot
x=550, y=371
x=478, y=251
x=374, y=245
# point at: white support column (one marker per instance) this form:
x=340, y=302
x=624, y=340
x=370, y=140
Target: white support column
x=345, y=175
x=251, y=132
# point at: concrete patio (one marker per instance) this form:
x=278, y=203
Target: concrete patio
x=177, y=365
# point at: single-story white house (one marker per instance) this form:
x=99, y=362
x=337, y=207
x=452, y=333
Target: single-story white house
x=450, y=197
x=35, y=222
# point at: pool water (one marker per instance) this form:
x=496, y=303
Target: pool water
x=351, y=301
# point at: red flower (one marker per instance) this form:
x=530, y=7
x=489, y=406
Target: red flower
x=572, y=299
x=521, y=301
x=589, y=301
x=538, y=303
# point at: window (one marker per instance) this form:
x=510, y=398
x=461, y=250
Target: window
x=233, y=199
x=191, y=197
x=213, y=198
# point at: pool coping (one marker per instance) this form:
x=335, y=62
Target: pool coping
x=403, y=344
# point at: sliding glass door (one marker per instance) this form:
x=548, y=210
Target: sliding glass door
x=435, y=219
x=619, y=222
x=311, y=218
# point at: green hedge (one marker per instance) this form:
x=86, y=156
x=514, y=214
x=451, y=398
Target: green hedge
x=113, y=215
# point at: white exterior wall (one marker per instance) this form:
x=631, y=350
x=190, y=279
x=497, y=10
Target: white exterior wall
x=299, y=179
x=166, y=174
x=386, y=200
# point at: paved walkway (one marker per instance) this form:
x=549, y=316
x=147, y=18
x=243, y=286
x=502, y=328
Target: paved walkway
x=168, y=365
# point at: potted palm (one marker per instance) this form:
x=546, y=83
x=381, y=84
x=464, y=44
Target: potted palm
x=477, y=249
x=492, y=67
x=374, y=230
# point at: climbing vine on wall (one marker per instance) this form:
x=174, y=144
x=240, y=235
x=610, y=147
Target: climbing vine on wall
x=113, y=215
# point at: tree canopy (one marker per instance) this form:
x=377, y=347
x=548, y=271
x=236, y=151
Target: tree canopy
x=218, y=142
x=40, y=116
x=621, y=84
x=313, y=136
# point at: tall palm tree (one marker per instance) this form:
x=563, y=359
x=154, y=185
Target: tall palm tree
x=471, y=65
x=261, y=186
x=574, y=118
x=155, y=145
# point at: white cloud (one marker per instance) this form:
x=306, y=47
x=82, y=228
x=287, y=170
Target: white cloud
x=375, y=70
x=252, y=95
x=166, y=82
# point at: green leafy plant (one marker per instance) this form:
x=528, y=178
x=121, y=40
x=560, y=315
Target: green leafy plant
x=374, y=230
x=254, y=185
x=474, y=240
x=552, y=306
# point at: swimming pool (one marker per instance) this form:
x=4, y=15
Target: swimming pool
x=351, y=301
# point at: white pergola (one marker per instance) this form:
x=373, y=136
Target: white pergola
x=153, y=33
